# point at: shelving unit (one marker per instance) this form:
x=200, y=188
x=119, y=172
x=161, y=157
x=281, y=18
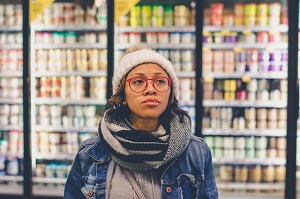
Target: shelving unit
x=227, y=107
x=11, y=124
x=69, y=74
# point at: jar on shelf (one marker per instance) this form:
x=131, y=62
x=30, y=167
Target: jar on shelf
x=254, y=173
x=226, y=173
x=241, y=173
x=268, y=173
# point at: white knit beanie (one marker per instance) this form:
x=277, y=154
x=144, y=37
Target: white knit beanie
x=133, y=59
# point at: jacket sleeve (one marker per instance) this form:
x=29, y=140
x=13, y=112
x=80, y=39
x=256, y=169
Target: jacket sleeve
x=74, y=181
x=210, y=187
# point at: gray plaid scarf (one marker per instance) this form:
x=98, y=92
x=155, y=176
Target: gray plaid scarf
x=140, y=150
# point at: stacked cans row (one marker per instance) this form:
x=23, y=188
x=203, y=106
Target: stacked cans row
x=251, y=173
x=249, y=14
x=186, y=91
x=11, y=14
x=11, y=60
x=11, y=143
x=52, y=170
x=11, y=115
x=159, y=15
x=73, y=87
x=11, y=38
x=157, y=37
x=245, y=118
x=244, y=37
x=252, y=90
x=244, y=60
x=70, y=38
x=239, y=148
x=60, y=142
x=68, y=116
x=71, y=60
x=11, y=87
x=70, y=13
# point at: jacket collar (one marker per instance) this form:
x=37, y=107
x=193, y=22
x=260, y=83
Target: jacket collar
x=98, y=152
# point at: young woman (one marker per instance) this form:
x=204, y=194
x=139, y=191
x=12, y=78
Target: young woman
x=145, y=148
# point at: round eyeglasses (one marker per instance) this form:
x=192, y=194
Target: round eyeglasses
x=139, y=84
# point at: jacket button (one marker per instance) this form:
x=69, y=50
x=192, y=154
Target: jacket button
x=168, y=189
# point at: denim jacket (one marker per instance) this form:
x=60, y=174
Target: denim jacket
x=190, y=175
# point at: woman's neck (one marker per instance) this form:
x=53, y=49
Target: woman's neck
x=148, y=125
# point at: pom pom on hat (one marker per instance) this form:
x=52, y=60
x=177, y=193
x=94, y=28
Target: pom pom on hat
x=133, y=59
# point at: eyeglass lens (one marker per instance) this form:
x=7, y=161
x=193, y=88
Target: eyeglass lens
x=139, y=84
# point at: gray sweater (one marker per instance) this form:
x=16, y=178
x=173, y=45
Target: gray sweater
x=120, y=188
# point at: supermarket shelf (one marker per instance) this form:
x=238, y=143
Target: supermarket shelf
x=186, y=103
x=69, y=27
x=245, y=103
x=6, y=28
x=58, y=156
x=9, y=127
x=221, y=46
x=249, y=195
x=11, y=100
x=71, y=46
x=280, y=28
x=181, y=74
x=65, y=129
x=180, y=46
x=248, y=161
x=11, y=189
x=122, y=29
x=61, y=101
x=11, y=46
x=258, y=75
x=11, y=178
x=245, y=132
x=70, y=73
x=251, y=186
x=47, y=190
x=49, y=180
x=7, y=74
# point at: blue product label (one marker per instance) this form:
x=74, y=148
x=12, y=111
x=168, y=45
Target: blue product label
x=2, y=165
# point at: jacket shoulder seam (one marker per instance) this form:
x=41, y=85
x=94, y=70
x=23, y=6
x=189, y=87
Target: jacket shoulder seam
x=89, y=141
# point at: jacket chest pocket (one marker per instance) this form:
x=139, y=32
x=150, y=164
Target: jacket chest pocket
x=190, y=186
x=94, y=182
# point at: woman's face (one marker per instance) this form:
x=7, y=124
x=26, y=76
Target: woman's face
x=148, y=104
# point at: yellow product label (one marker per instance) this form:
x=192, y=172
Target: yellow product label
x=238, y=49
x=205, y=49
x=246, y=79
x=122, y=7
x=247, y=32
x=208, y=79
x=36, y=7
x=225, y=32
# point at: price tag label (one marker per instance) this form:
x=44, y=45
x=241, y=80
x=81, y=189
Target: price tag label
x=36, y=7
x=225, y=32
x=208, y=79
x=247, y=32
x=122, y=7
x=237, y=49
x=246, y=79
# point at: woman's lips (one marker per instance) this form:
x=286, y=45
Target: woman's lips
x=151, y=102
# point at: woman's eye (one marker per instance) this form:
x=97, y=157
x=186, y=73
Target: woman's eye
x=161, y=81
x=138, y=81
